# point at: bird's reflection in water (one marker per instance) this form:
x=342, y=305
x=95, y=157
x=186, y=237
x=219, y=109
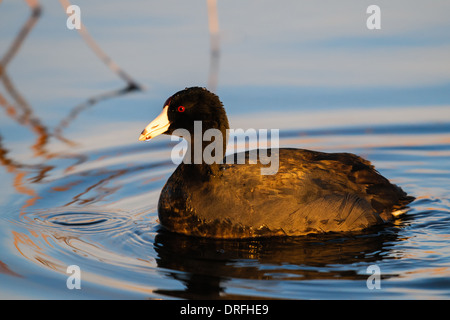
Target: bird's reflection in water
x=204, y=266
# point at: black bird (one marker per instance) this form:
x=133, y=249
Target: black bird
x=312, y=192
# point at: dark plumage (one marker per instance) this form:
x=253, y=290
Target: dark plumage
x=312, y=192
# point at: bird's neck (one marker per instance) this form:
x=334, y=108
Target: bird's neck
x=206, y=152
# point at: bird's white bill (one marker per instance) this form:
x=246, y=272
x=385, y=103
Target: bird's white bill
x=158, y=126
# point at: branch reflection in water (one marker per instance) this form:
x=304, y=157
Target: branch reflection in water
x=21, y=111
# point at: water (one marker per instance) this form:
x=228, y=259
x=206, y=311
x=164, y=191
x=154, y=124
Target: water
x=77, y=188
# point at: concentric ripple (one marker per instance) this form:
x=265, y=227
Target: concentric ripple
x=79, y=222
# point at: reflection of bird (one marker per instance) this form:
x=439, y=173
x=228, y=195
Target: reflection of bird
x=311, y=192
x=205, y=266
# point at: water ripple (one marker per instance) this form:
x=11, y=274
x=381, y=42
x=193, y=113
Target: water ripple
x=78, y=216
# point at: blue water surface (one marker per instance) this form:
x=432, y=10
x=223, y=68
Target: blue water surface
x=77, y=188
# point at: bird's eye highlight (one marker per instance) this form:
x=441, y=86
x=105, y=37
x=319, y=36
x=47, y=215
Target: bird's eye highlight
x=181, y=109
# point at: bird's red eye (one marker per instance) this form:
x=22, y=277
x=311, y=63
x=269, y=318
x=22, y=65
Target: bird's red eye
x=181, y=109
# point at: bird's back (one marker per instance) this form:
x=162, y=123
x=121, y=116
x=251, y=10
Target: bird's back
x=310, y=192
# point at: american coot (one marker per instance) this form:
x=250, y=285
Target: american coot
x=312, y=192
